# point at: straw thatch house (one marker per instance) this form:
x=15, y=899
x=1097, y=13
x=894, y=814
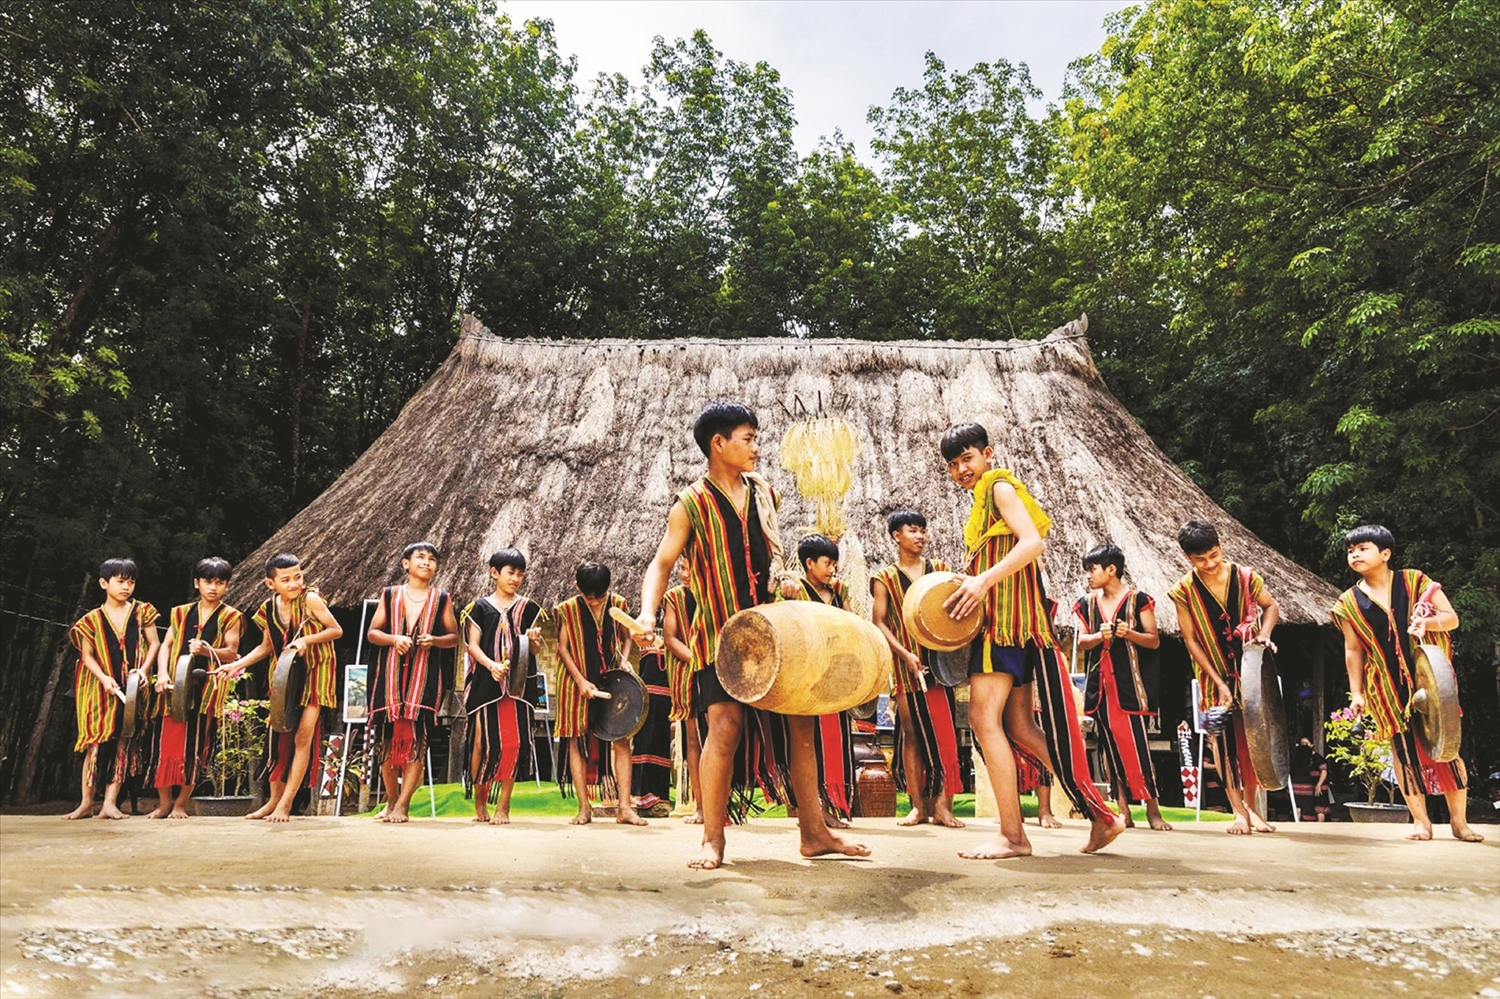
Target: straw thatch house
x=573, y=450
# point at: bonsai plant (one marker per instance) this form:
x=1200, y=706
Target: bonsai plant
x=1351, y=740
x=241, y=746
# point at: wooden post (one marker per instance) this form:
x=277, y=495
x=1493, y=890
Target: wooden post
x=1319, y=693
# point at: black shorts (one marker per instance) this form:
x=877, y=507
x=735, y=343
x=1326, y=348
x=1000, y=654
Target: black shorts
x=707, y=690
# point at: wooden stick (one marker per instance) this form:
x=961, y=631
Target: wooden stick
x=629, y=623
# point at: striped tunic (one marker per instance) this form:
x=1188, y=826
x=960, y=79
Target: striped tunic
x=728, y=561
x=118, y=652
x=1219, y=627
x=896, y=582
x=680, y=673
x=1389, y=650
x=185, y=627
x=594, y=645
x=409, y=687
x=1015, y=611
x=320, y=688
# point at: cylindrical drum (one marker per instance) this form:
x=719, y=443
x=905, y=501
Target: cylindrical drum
x=802, y=658
x=932, y=627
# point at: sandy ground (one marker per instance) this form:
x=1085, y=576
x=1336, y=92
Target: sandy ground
x=343, y=907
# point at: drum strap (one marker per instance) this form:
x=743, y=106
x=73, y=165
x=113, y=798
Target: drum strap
x=1246, y=628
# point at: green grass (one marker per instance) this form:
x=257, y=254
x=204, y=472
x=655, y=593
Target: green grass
x=531, y=799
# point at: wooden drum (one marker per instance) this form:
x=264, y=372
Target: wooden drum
x=928, y=622
x=802, y=658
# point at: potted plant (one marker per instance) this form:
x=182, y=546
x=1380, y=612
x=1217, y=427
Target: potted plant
x=236, y=757
x=1352, y=741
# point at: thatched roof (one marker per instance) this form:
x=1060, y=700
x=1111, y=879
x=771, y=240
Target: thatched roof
x=573, y=450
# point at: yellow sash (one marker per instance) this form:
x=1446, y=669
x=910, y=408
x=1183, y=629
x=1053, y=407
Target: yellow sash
x=984, y=501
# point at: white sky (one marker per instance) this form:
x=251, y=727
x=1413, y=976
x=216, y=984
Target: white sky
x=837, y=56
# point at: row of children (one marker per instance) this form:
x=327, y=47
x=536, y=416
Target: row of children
x=723, y=530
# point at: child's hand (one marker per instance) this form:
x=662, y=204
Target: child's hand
x=913, y=661
x=424, y=640
x=534, y=636
x=500, y=670
x=789, y=588
x=1226, y=696
x=298, y=645
x=967, y=599
x=1357, y=702
x=402, y=645
x=161, y=685
x=1418, y=628
x=589, y=690
x=1107, y=630
x=1264, y=639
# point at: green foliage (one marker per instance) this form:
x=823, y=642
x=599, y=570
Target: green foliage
x=1351, y=741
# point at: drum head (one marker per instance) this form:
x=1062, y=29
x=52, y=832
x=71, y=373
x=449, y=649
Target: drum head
x=522, y=666
x=130, y=720
x=951, y=669
x=927, y=621
x=286, y=691
x=1434, y=715
x=181, y=693
x=1265, y=718
x=866, y=711
x=623, y=714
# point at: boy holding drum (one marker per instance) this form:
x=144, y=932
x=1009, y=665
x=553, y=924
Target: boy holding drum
x=1004, y=541
x=724, y=526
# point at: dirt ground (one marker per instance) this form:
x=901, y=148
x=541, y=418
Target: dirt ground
x=346, y=907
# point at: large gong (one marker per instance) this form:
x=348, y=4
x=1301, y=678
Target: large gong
x=1265, y=718
x=286, y=691
x=1434, y=704
x=623, y=712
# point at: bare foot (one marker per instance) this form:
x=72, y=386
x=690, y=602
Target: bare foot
x=394, y=816
x=945, y=817
x=1423, y=832
x=1048, y=821
x=824, y=843
x=111, y=812
x=177, y=812
x=159, y=812
x=710, y=856
x=1462, y=831
x=696, y=819
x=628, y=817
x=1101, y=834
x=998, y=848
x=279, y=816
x=582, y=818
x=1158, y=823
x=500, y=818
x=832, y=821
x=262, y=811
x=1239, y=827
x=480, y=816
x=915, y=817
x=84, y=811
x=1260, y=825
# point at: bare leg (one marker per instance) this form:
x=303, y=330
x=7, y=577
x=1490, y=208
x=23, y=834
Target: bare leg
x=625, y=813
x=85, y=809
x=1044, y=816
x=306, y=730
x=1417, y=804
x=726, y=721
x=163, y=804
x=502, y=810
x=1021, y=727
x=277, y=787
x=481, y=791
x=988, y=694
x=1122, y=804
x=111, y=809
x=916, y=776
x=179, y=804
x=389, y=780
x=695, y=788
x=1458, y=815
x=411, y=779
x=579, y=768
x=817, y=839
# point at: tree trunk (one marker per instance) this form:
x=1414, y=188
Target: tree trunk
x=306, y=318
x=25, y=783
